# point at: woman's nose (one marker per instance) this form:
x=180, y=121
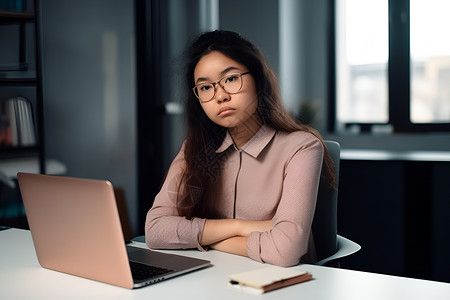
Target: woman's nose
x=221, y=94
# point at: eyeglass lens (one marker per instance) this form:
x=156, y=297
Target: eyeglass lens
x=231, y=84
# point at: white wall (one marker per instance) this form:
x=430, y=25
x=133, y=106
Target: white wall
x=89, y=90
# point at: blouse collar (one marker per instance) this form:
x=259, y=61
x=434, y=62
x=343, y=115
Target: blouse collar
x=255, y=145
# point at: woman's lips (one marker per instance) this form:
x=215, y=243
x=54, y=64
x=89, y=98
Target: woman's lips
x=225, y=110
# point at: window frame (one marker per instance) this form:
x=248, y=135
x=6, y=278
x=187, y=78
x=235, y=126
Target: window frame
x=399, y=78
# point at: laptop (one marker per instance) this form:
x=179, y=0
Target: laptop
x=76, y=230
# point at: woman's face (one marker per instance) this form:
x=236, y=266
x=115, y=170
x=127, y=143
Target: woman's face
x=225, y=109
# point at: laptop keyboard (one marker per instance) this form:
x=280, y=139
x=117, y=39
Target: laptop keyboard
x=143, y=272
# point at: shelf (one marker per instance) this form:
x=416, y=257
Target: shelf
x=21, y=78
x=17, y=81
x=390, y=155
x=9, y=168
x=9, y=16
x=14, y=152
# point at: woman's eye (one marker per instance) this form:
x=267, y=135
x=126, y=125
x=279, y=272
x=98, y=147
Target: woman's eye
x=204, y=88
x=231, y=78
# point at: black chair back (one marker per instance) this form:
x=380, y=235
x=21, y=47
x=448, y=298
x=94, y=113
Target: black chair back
x=324, y=227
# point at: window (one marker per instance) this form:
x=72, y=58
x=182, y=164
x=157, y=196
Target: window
x=362, y=56
x=392, y=64
x=430, y=61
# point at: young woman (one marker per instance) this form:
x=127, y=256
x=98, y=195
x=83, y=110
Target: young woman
x=245, y=180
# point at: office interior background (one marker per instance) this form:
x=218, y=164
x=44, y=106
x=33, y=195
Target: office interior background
x=113, y=107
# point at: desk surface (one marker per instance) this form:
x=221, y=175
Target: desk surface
x=21, y=277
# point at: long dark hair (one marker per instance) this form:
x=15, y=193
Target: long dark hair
x=203, y=164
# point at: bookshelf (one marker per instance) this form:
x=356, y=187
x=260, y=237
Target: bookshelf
x=21, y=101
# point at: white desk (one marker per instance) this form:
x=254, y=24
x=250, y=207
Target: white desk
x=21, y=277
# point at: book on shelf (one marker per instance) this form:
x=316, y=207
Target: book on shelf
x=16, y=123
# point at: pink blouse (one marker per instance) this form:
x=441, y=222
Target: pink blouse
x=275, y=176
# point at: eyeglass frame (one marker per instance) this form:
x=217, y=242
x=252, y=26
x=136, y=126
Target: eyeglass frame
x=215, y=83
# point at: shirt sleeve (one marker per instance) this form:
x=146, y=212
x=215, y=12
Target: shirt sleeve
x=164, y=227
x=288, y=240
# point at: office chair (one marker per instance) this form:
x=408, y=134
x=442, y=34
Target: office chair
x=331, y=248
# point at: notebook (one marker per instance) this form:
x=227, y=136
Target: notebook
x=76, y=230
x=268, y=279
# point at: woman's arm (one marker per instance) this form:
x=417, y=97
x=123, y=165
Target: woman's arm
x=218, y=230
x=235, y=245
x=230, y=235
x=164, y=227
x=288, y=240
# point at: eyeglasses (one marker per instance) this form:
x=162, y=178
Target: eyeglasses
x=231, y=83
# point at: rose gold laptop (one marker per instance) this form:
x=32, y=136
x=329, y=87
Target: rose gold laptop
x=76, y=230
